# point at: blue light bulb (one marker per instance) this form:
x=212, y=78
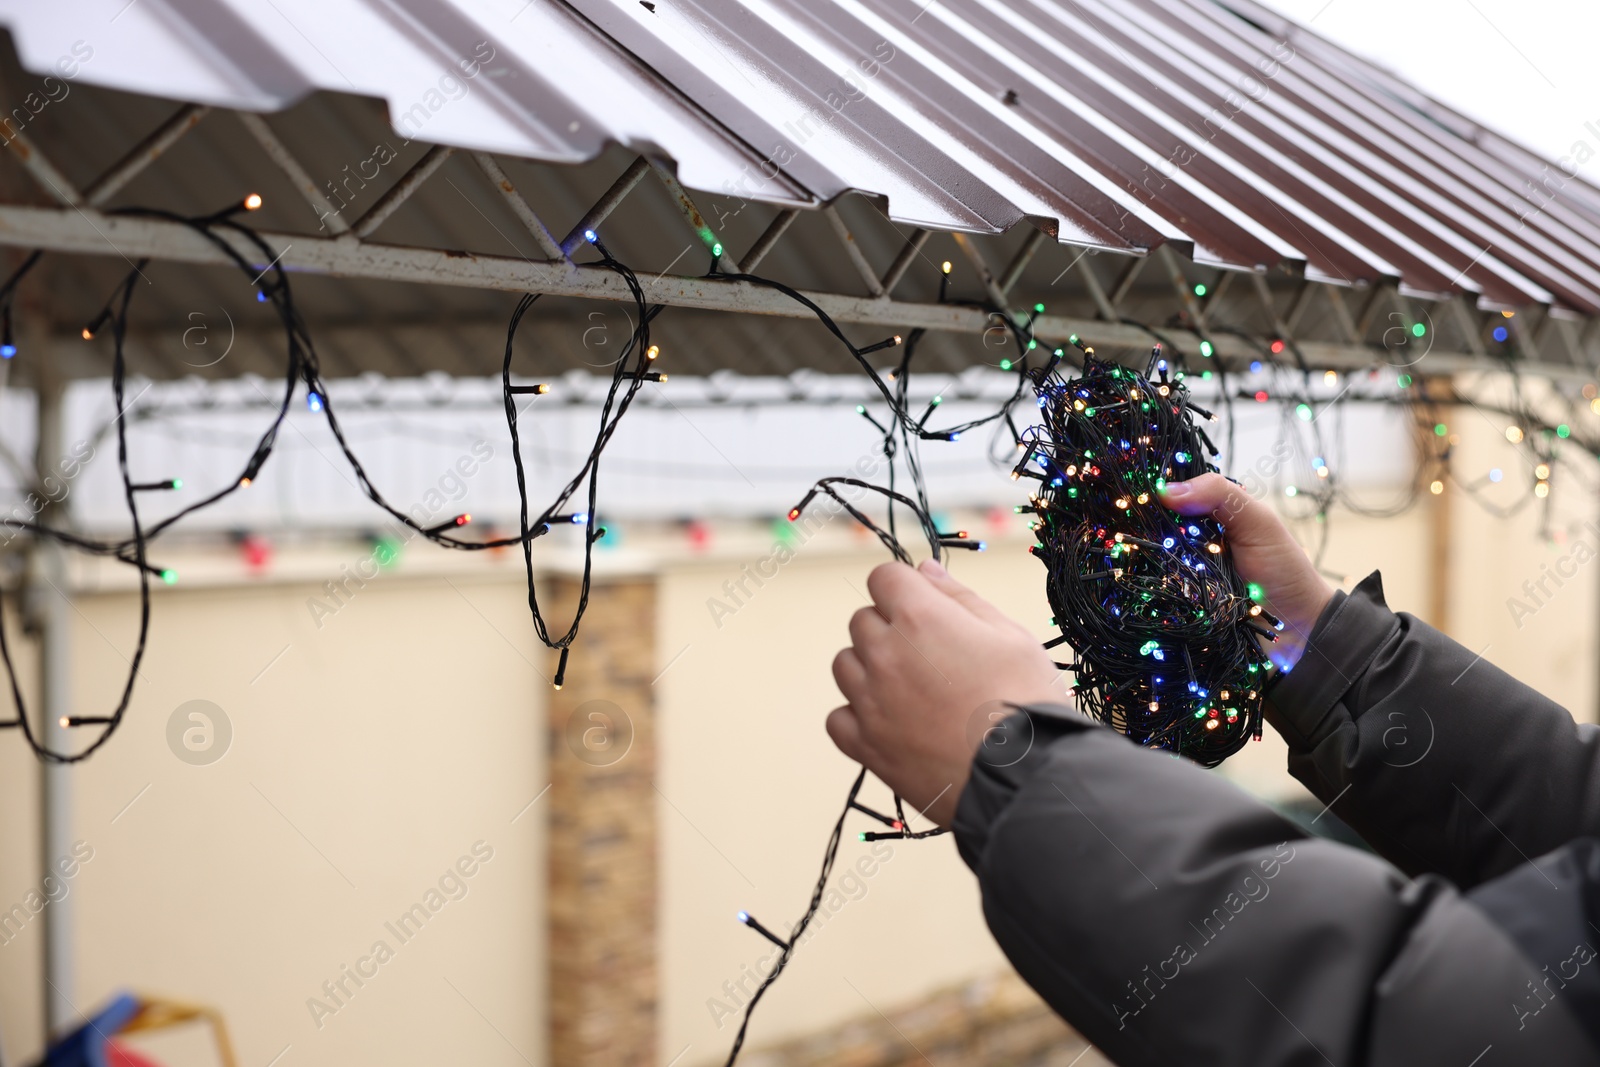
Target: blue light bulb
x=7, y=351
x=592, y=237
x=313, y=402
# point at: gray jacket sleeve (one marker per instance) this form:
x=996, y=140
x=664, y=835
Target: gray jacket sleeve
x=1439, y=760
x=1174, y=920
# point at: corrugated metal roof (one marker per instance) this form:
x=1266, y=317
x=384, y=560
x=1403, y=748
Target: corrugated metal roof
x=1219, y=127
x=1112, y=123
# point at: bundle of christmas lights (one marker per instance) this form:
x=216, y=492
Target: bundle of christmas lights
x=1165, y=630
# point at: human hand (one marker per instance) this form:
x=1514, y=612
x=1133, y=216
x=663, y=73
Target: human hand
x=1264, y=553
x=923, y=660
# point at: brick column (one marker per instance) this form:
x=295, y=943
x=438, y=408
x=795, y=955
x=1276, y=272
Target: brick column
x=602, y=836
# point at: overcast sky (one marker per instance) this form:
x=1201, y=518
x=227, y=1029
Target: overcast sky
x=1527, y=68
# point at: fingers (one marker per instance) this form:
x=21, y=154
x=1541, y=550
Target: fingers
x=845, y=729
x=941, y=580
x=894, y=587
x=868, y=626
x=850, y=675
x=1248, y=520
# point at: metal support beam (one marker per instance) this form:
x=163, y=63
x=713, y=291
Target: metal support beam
x=1299, y=306
x=902, y=262
x=1217, y=291
x=691, y=214
x=88, y=233
x=1124, y=286
x=1097, y=292
x=1180, y=286
x=279, y=153
x=1341, y=314
x=1567, y=332
x=1019, y=262
x=1587, y=339
x=769, y=238
x=1270, y=304
x=401, y=191
x=51, y=614
x=1469, y=323
x=44, y=172
x=853, y=251
x=997, y=296
x=519, y=207
x=607, y=203
x=1376, y=302
x=1525, y=327
x=144, y=153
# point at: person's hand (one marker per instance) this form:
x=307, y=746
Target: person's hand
x=1263, y=553
x=926, y=663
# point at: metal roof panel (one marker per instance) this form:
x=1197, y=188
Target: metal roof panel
x=1116, y=125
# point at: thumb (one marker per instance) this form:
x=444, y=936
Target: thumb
x=1248, y=520
x=941, y=580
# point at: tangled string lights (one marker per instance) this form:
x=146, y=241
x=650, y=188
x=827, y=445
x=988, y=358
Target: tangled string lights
x=302, y=371
x=1165, y=629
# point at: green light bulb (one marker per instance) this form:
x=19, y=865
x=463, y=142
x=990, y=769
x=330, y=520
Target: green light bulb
x=169, y=576
x=1200, y=290
x=1419, y=330
x=1005, y=364
x=1206, y=349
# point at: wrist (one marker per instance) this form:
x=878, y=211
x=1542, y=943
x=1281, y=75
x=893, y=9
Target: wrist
x=1292, y=640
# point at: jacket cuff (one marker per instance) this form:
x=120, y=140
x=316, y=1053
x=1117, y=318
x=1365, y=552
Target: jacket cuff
x=1343, y=644
x=1007, y=758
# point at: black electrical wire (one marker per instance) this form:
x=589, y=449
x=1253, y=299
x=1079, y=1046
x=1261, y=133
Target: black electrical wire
x=900, y=827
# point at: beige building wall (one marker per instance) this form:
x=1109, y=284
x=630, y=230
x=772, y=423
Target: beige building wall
x=373, y=752
x=367, y=758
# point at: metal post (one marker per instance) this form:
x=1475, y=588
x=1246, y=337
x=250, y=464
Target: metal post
x=52, y=614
